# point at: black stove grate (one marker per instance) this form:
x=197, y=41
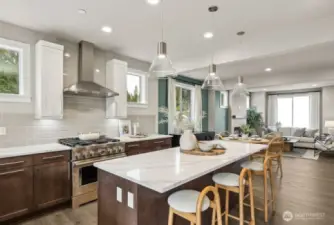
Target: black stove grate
x=72, y=142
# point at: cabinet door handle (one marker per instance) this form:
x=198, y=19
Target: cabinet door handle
x=131, y=146
x=69, y=171
x=12, y=163
x=158, y=142
x=53, y=157
x=11, y=172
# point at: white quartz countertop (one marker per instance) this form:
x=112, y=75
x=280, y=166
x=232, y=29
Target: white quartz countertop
x=31, y=150
x=164, y=170
x=149, y=137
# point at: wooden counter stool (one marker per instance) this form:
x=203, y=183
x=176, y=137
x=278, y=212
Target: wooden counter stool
x=189, y=204
x=263, y=168
x=231, y=182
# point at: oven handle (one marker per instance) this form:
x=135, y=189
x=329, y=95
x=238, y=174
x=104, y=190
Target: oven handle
x=91, y=162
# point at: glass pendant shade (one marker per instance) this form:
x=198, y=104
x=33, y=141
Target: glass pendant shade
x=162, y=66
x=212, y=81
x=240, y=88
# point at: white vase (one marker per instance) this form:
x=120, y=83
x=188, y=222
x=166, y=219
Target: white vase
x=188, y=141
x=244, y=136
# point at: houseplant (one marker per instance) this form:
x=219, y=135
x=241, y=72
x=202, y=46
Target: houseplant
x=255, y=120
x=246, y=130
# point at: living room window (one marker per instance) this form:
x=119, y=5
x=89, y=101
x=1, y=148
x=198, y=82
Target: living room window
x=14, y=71
x=295, y=110
x=137, y=88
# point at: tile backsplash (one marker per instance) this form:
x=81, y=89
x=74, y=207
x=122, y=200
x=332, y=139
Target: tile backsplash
x=81, y=114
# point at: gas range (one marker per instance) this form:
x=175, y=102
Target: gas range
x=102, y=147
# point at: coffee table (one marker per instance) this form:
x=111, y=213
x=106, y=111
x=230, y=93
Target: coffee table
x=288, y=145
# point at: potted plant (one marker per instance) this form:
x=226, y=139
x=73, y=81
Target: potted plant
x=255, y=120
x=246, y=130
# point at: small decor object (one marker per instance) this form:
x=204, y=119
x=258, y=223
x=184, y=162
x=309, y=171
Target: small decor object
x=278, y=126
x=246, y=131
x=188, y=141
x=124, y=127
x=204, y=146
x=223, y=99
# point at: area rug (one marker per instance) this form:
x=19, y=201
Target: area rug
x=301, y=153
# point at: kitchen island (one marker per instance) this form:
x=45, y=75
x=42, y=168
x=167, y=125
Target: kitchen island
x=134, y=190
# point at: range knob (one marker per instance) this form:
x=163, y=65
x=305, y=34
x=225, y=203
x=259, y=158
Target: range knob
x=120, y=149
x=92, y=153
x=77, y=156
x=103, y=152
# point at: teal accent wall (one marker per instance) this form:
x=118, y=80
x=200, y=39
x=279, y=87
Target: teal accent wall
x=163, y=100
x=221, y=115
x=205, y=107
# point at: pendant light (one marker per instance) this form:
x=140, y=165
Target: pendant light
x=240, y=87
x=162, y=66
x=212, y=81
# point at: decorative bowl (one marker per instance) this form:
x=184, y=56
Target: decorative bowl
x=205, y=147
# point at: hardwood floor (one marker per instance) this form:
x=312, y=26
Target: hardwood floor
x=306, y=190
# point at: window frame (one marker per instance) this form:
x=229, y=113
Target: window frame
x=24, y=71
x=192, y=91
x=143, y=89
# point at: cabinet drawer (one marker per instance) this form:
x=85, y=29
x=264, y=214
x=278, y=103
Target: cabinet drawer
x=15, y=162
x=160, y=144
x=133, y=146
x=51, y=157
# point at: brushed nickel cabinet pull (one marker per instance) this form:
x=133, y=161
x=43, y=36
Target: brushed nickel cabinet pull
x=12, y=163
x=158, y=142
x=131, y=146
x=53, y=157
x=11, y=172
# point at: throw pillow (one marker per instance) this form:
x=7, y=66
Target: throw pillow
x=328, y=140
x=299, y=132
x=310, y=132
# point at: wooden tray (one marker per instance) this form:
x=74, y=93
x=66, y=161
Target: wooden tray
x=201, y=153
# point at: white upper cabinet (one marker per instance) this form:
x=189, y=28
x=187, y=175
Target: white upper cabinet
x=49, y=80
x=116, y=72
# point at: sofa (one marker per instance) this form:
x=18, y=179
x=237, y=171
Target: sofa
x=306, y=137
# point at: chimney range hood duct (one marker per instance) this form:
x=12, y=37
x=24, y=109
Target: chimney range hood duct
x=85, y=85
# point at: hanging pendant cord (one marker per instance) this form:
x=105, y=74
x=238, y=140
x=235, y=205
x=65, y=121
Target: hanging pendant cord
x=162, y=20
x=213, y=41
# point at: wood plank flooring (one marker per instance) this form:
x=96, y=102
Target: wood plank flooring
x=306, y=190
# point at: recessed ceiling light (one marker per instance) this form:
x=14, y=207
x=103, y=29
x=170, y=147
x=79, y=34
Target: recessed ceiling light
x=314, y=85
x=82, y=11
x=208, y=35
x=153, y=2
x=106, y=29
x=97, y=70
x=268, y=70
x=67, y=55
x=264, y=89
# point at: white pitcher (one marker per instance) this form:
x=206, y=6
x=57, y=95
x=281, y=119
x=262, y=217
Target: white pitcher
x=188, y=141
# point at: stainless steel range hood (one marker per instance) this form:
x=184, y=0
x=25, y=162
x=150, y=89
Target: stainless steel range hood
x=85, y=85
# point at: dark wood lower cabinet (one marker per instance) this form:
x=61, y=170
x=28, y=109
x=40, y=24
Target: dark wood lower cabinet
x=16, y=192
x=140, y=147
x=51, y=184
x=31, y=183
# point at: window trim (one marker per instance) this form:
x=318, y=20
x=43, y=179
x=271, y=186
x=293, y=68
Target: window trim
x=24, y=71
x=143, y=89
x=192, y=89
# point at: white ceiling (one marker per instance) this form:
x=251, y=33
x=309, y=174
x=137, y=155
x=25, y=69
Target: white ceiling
x=275, y=28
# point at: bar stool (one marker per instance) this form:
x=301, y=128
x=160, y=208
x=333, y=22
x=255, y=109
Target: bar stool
x=189, y=204
x=231, y=182
x=262, y=168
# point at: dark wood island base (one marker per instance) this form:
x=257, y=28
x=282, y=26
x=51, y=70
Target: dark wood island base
x=149, y=206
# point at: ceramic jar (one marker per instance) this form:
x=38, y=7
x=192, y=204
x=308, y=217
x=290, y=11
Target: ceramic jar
x=188, y=141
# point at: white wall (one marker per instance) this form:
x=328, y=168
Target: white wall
x=327, y=105
x=259, y=101
x=81, y=114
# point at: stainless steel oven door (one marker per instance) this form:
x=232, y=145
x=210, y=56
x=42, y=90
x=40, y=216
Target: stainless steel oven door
x=84, y=174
